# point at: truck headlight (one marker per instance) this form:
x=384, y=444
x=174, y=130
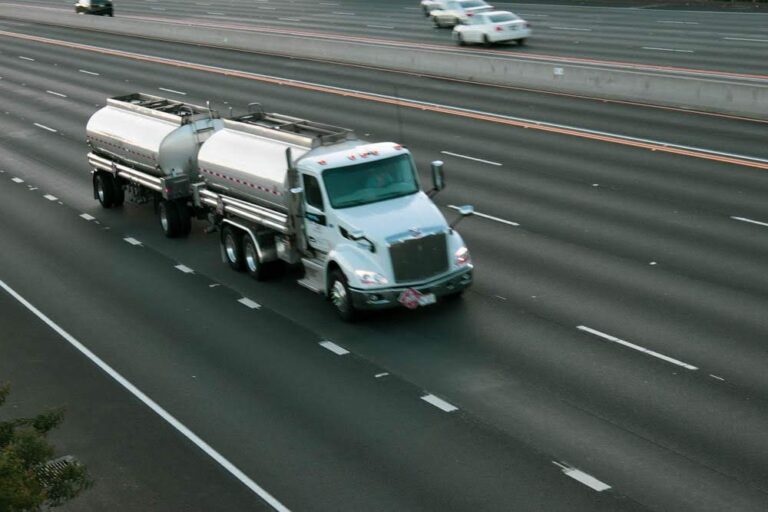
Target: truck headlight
x=462, y=257
x=370, y=277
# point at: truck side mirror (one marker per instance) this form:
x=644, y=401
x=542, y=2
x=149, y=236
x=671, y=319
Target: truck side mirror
x=438, y=178
x=464, y=211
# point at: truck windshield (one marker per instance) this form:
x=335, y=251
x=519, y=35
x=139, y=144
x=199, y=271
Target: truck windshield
x=370, y=182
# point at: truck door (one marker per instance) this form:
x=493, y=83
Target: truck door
x=318, y=231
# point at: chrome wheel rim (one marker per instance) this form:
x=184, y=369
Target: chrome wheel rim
x=339, y=295
x=229, y=246
x=100, y=189
x=251, y=258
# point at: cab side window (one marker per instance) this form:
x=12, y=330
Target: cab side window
x=312, y=193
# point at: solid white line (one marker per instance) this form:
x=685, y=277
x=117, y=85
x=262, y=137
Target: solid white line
x=583, y=477
x=636, y=347
x=17, y=180
x=172, y=90
x=57, y=94
x=457, y=155
x=666, y=49
x=88, y=72
x=489, y=217
x=336, y=349
x=186, y=432
x=50, y=197
x=26, y=58
x=439, y=403
x=184, y=269
x=249, y=303
x=746, y=39
x=680, y=22
x=87, y=216
x=45, y=127
x=572, y=28
x=381, y=26
x=743, y=219
x=132, y=241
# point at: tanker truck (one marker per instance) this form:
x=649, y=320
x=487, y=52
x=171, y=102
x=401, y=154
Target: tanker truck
x=277, y=188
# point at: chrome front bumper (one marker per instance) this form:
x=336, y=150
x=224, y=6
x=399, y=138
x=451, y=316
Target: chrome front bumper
x=383, y=298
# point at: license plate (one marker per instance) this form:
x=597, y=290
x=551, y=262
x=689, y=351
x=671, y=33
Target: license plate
x=427, y=299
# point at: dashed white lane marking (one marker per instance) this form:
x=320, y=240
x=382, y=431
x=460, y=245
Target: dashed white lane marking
x=87, y=216
x=51, y=197
x=653, y=48
x=215, y=13
x=184, y=269
x=390, y=27
x=746, y=39
x=679, y=22
x=245, y=301
x=57, y=94
x=132, y=241
x=457, y=155
x=330, y=3
x=439, y=403
x=380, y=375
x=46, y=127
x=146, y=400
x=26, y=58
x=89, y=72
x=489, y=217
x=172, y=91
x=572, y=28
x=636, y=347
x=744, y=219
x=583, y=477
x=716, y=377
x=336, y=349
x=17, y=180
x=289, y=19
x=344, y=13
x=267, y=8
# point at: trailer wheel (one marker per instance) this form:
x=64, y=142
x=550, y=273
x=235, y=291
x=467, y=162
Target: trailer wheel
x=105, y=186
x=170, y=218
x=185, y=219
x=341, y=298
x=232, y=242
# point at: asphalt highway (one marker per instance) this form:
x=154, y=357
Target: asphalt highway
x=704, y=40
x=617, y=326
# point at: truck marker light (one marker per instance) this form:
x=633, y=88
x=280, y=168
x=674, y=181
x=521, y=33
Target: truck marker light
x=398, y=146
x=322, y=162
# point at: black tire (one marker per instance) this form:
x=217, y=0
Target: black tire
x=460, y=40
x=486, y=42
x=253, y=264
x=232, y=242
x=340, y=297
x=185, y=219
x=105, y=186
x=426, y=12
x=437, y=24
x=521, y=42
x=170, y=218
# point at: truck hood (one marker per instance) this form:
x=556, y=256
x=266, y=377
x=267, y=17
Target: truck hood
x=393, y=217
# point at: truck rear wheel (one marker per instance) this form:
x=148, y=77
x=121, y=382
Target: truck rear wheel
x=185, y=219
x=108, y=191
x=253, y=264
x=341, y=298
x=232, y=242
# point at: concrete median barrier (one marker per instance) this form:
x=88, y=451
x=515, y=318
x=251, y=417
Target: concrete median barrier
x=675, y=89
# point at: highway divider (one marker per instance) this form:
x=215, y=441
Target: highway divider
x=673, y=88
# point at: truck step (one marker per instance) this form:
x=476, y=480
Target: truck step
x=313, y=275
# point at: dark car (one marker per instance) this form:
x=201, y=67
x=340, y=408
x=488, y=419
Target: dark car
x=98, y=7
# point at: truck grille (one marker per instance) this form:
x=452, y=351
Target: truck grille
x=414, y=259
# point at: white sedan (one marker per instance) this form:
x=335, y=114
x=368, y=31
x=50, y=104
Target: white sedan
x=453, y=11
x=492, y=27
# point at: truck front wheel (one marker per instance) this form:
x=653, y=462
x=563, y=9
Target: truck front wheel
x=340, y=297
x=232, y=241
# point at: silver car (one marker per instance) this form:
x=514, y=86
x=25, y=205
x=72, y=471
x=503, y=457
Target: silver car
x=455, y=11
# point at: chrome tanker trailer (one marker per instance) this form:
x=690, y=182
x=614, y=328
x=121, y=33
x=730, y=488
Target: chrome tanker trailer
x=147, y=146
x=352, y=213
